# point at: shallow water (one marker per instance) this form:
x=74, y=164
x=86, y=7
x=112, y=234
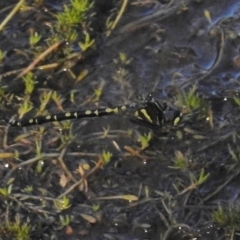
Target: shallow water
x=181, y=49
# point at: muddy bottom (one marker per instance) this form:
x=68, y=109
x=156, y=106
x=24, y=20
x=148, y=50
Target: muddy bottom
x=117, y=177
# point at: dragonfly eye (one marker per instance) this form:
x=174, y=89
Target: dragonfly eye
x=173, y=116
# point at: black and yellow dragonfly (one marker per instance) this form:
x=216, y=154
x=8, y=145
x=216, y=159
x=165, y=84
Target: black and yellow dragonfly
x=152, y=113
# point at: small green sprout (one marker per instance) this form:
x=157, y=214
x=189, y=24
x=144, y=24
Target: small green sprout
x=97, y=94
x=237, y=101
x=28, y=189
x=201, y=178
x=74, y=13
x=191, y=101
x=44, y=100
x=106, y=157
x=34, y=38
x=228, y=216
x=196, y=181
x=66, y=136
x=62, y=204
x=67, y=125
x=96, y=207
x=65, y=220
x=145, y=140
x=57, y=98
x=39, y=132
x=40, y=165
x=180, y=161
x=220, y=216
x=207, y=15
x=67, y=34
x=123, y=59
x=17, y=230
x=98, y=91
x=2, y=55
x=29, y=83
x=6, y=191
x=87, y=43
x=121, y=75
x=71, y=35
x=72, y=96
x=25, y=107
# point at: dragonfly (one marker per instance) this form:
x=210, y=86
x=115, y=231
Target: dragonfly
x=151, y=113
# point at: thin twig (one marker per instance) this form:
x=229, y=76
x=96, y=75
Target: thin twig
x=63, y=165
x=134, y=152
x=123, y=7
x=5, y=137
x=97, y=166
x=11, y=14
x=221, y=186
x=42, y=67
x=39, y=58
x=43, y=157
x=40, y=198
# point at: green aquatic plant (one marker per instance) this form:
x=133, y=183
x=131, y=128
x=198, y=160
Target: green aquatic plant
x=237, y=100
x=68, y=21
x=73, y=13
x=28, y=189
x=95, y=207
x=16, y=229
x=88, y=42
x=24, y=108
x=181, y=161
x=195, y=181
x=123, y=59
x=34, y=39
x=6, y=191
x=106, y=157
x=2, y=55
x=44, y=98
x=190, y=100
x=30, y=82
x=228, y=216
x=65, y=220
x=193, y=106
x=145, y=139
x=62, y=204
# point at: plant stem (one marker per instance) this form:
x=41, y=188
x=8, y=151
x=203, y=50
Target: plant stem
x=11, y=14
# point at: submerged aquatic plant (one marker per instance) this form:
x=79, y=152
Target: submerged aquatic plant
x=228, y=216
x=73, y=13
x=16, y=229
x=190, y=100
